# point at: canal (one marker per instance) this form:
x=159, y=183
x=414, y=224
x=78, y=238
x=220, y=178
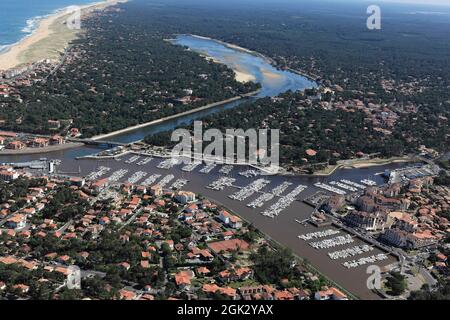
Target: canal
x=283, y=228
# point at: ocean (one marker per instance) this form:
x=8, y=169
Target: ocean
x=19, y=18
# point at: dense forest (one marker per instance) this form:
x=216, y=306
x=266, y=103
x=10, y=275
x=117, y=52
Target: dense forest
x=125, y=73
x=334, y=134
x=403, y=70
x=122, y=72
x=321, y=38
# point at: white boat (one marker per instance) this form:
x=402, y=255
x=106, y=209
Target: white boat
x=369, y=182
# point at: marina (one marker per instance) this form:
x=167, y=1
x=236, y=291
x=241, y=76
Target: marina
x=168, y=164
x=344, y=186
x=118, y=175
x=151, y=179
x=222, y=183
x=249, y=190
x=133, y=159
x=350, y=252
x=144, y=161
x=318, y=234
x=283, y=229
x=166, y=180
x=283, y=203
x=332, y=242
x=259, y=202
x=249, y=173
x=97, y=174
x=365, y=260
x=279, y=190
x=369, y=182
x=190, y=166
x=354, y=184
x=208, y=168
x=327, y=187
x=179, y=184
x=136, y=177
x=226, y=169
x=410, y=172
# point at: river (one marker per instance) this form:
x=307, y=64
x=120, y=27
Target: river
x=283, y=228
x=273, y=82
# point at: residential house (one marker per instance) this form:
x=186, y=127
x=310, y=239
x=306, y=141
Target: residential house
x=330, y=294
x=17, y=221
x=183, y=279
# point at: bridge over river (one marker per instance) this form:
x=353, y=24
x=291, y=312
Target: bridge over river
x=102, y=143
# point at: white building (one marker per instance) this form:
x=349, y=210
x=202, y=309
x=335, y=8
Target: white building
x=185, y=197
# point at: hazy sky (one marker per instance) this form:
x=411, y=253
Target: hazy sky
x=435, y=2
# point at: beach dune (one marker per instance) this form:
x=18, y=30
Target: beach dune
x=50, y=38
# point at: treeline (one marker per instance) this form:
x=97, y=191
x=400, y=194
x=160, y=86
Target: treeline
x=125, y=74
x=333, y=134
x=326, y=39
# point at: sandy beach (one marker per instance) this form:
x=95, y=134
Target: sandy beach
x=49, y=39
x=240, y=75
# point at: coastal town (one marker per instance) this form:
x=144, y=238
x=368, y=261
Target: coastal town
x=189, y=242
x=95, y=206
x=162, y=244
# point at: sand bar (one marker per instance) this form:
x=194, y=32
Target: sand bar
x=244, y=77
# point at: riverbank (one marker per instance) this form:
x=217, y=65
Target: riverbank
x=360, y=164
x=304, y=262
x=240, y=74
x=237, y=48
x=49, y=39
x=175, y=116
x=283, y=229
x=256, y=54
x=53, y=148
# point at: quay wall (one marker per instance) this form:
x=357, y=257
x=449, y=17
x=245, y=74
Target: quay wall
x=175, y=116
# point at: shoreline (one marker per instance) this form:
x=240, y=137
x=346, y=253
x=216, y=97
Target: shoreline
x=239, y=74
x=269, y=60
x=232, y=46
x=49, y=27
x=174, y=116
x=27, y=151
x=359, y=165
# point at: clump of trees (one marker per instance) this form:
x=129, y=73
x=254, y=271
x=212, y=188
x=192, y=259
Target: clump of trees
x=65, y=205
x=443, y=179
x=272, y=266
x=425, y=293
x=396, y=283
